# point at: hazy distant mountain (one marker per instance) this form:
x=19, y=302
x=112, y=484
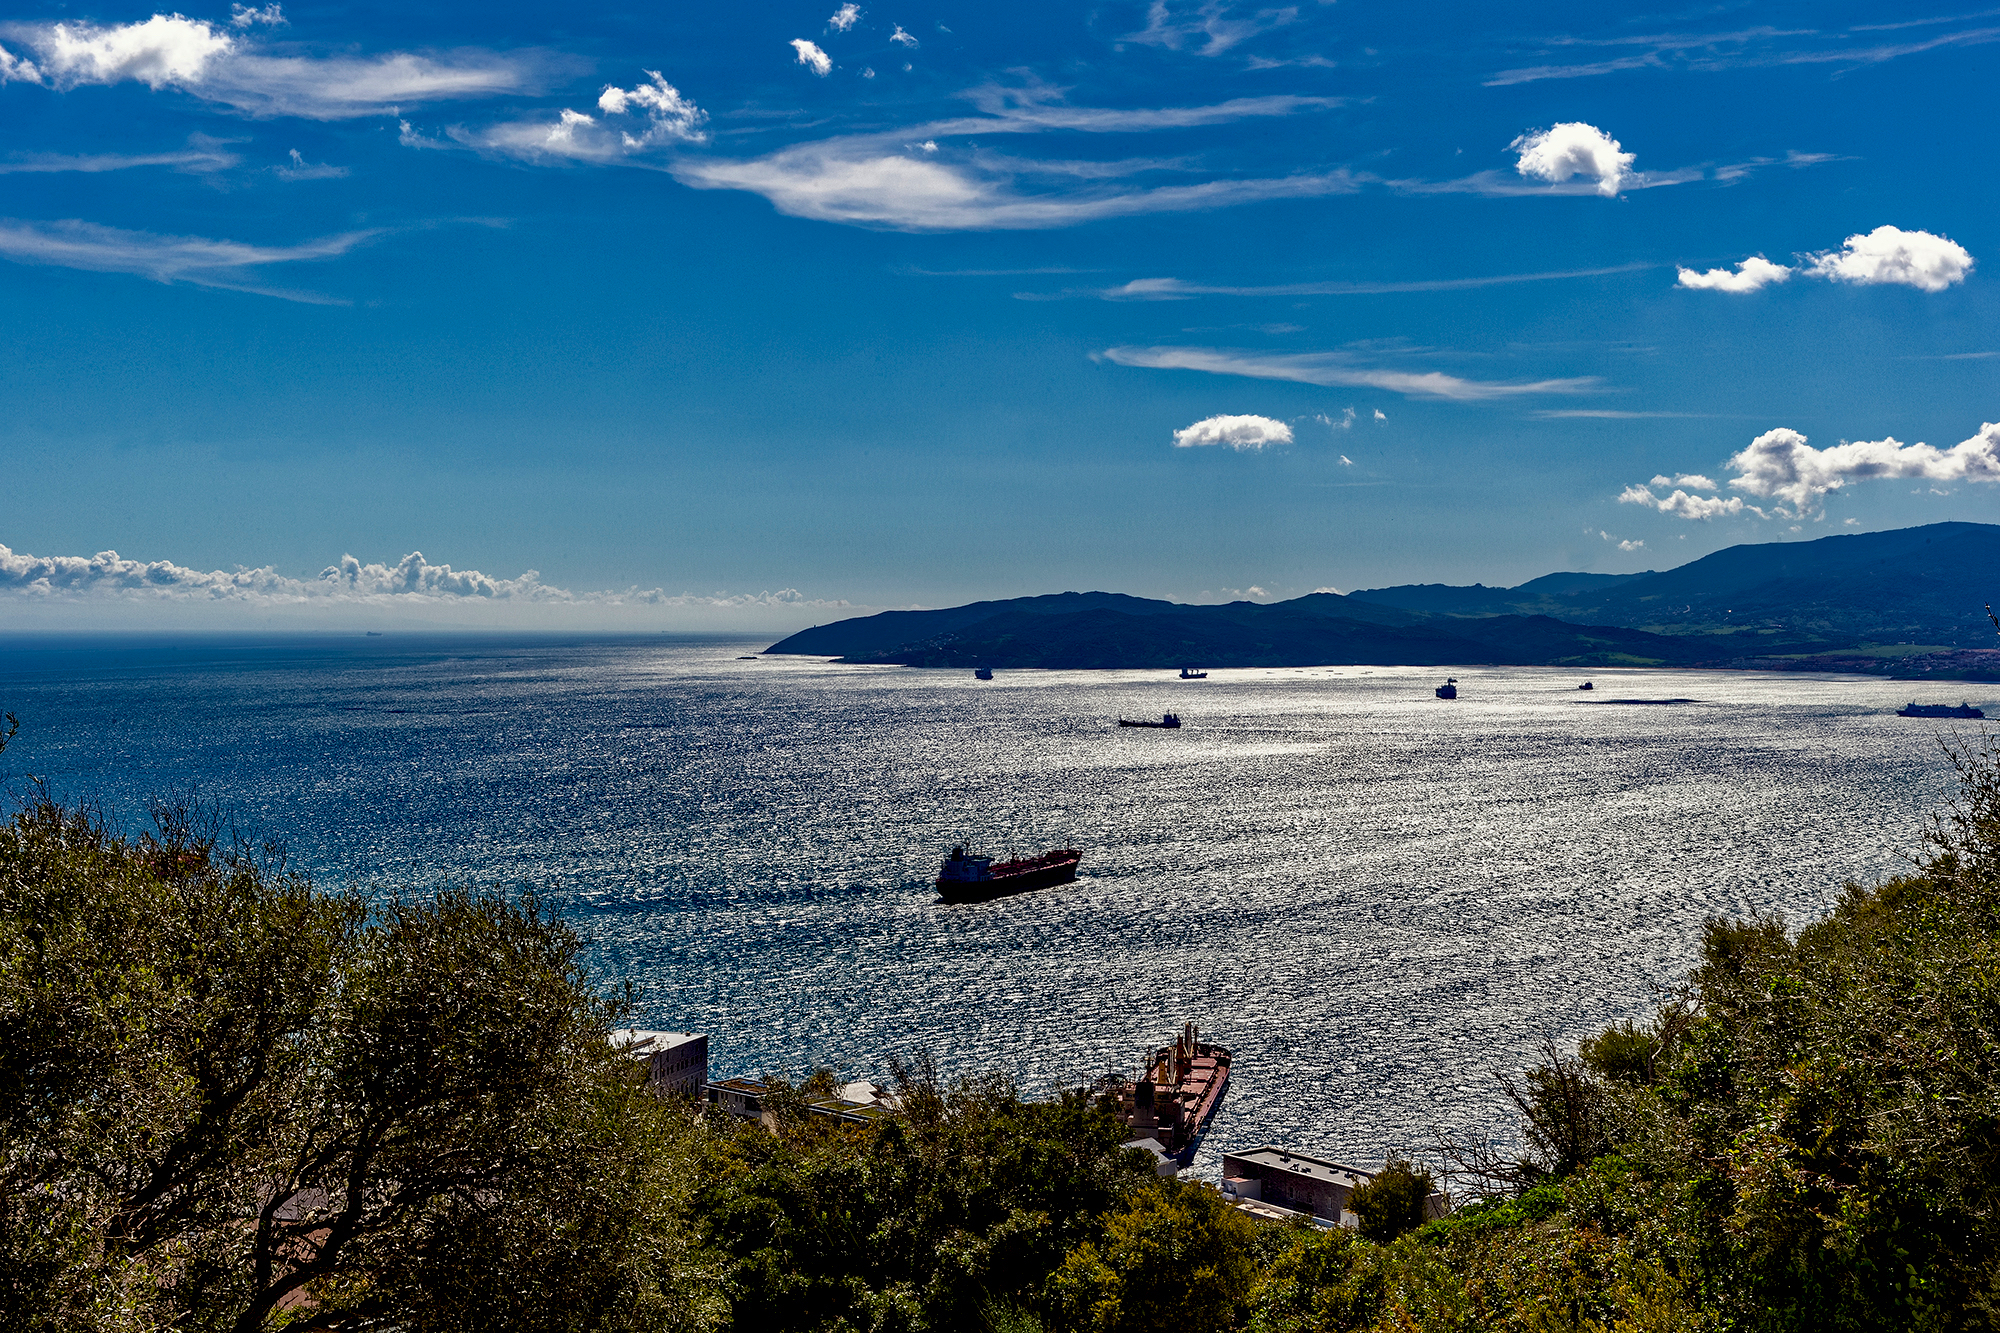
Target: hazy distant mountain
x=1913, y=585
x=1918, y=585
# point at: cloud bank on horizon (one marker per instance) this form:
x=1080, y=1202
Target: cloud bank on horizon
x=411, y=586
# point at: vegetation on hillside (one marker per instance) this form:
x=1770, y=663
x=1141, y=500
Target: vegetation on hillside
x=230, y=1099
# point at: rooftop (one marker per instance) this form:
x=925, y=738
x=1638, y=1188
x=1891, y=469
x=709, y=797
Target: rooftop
x=638, y=1041
x=1281, y=1159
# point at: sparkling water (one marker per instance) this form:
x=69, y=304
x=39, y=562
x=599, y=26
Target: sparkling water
x=1372, y=896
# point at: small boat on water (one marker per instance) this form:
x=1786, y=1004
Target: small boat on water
x=1177, y=1094
x=966, y=878
x=982, y=673
x=1171, y=721
x=1914, y=709
x=1448, y=690
x=1187, y=674
x=1586, y=686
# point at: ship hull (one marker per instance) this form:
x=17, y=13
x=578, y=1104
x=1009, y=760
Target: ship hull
x=980, y=890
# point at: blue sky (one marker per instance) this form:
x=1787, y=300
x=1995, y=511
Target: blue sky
x=753, y=318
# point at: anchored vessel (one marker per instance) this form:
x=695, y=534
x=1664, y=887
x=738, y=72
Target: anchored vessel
x=982, y=673
x=966, y=878
x=1187, y=674
x=1171, y=721
x=1448, y=690
x=1176, y=1096
x=1939, y=710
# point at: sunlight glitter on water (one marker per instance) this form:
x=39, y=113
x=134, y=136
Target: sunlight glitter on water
x=1373, y=896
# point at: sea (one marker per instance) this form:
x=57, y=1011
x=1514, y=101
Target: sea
x=1375, y=898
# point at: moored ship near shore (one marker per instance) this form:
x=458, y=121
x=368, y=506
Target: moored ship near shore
x=966, y=878
x=1176, y=1094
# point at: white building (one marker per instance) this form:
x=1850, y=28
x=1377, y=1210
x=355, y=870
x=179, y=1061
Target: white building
x=677, y=1062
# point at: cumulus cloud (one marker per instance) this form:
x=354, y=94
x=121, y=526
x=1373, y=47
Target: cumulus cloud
x=844, y=18
x=902, y=38
x=413, y=583
x=1335, y=368
x=215, y=64
x=635, y=120
x=814, y=59
x=1779, y=464
x=1887, y=255
x=1631, y=545
x=1572, y=150
x=1346, y=421
x=243, y=16
x=1751, y=275
x=1380, y=415
x=1891, y=255
x=1682, y=505
x=193, y=259
x=1241, y=433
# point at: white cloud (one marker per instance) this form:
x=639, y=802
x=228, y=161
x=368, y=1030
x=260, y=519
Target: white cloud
x=1779, y=464
x=867, y=71
x=193, y=259
x=1210, y=20
x=1345, y=461
x=302, y=170
x=74, y=585
x=870, y=179
x=1751, y=275
x=1682, y=505
x=645, y=116
x=844, y=18
x=1244, y=433
x=1573, y=149
x=201, y=155
x=1630, y=545
x=1346, y=421
x=902, y=38
x=169, y=51
x=1380, y=415
x=1335, y=368
x=1692, y=480
x=1892, y=255
x=814, y=59
x=243, y=16
x=1176, y=289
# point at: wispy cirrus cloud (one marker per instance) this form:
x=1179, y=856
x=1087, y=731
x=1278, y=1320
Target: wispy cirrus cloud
x=1210, y=28
x=229, y=66
x=1329, y=369
x=233, y=265
x=1744, y=48
x=916, y=179
x=1176, y=289
x=202, y=154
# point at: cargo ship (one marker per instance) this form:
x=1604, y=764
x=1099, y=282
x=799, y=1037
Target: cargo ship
x=1177, y=1094
x=966, y=878
x=1448, y=690
x=1939, y=710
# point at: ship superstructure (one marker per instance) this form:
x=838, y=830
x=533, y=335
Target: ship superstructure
x=1177, y=1094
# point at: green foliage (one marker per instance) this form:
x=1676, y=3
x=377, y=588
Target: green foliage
x=1176, y=1256
x=1393, y=1202
x=228, y=1099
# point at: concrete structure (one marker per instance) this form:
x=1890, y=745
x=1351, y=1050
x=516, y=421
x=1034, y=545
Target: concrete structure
x=1275, y=1183
x=677, y=1062
x=857, y=1103
x=740, y=1096
x=1163, y=1164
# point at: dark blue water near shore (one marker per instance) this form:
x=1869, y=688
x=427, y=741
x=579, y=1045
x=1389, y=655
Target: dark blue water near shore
x=1373, y=896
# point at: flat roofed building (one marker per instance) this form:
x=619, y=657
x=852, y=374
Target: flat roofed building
x=1297, y=1183
x=676, y=1062
x=740, y=1096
